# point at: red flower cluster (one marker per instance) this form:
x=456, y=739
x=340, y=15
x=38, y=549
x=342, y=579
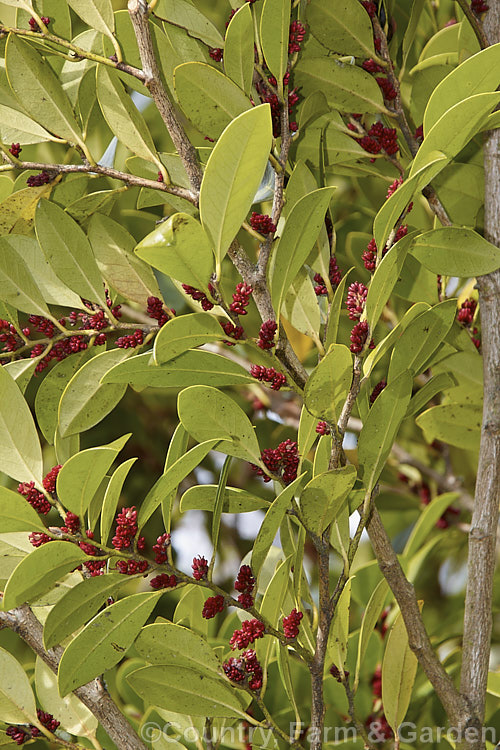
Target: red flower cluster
x=336, y=673
x=268, y=375
x=245, y=583
x=212, y=606
x=358, y=337
x=266, y=334
x=356, y=299
x=465, y=315
x=267, y=96
x=394, y=186
x=247, y=666
x=377, y=391
x=283, y=459
x=131, y=567
x=334, y=274
x=15, y=149
x=163, y=581
x=36, y=499
x=49, y=480
x=71, y=523
x=130, y=342
x=33, y=24
x=370, y=254
x=250, y=631
x=479, y=6
x=379, y=727
x=161, y=547
x=372, y=67
x=126, y=528
x=198, y=296
x=36, y=180
x=22, y=734
x=155, y=310
x=380, y=138
x=216, y=53
x=296, y=37
x=37, y=538
x=200, y=568
x=241, y=298
x=322, y=428
x=262, y=223
x=291, y=623
x=10, y=338
x=377, y=682
x=387, y=88
x=236, y=332
x=370, y=8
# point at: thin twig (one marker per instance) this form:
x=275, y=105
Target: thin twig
x=476, y=25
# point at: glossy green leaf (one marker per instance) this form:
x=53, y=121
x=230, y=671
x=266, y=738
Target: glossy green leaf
x=17, y=285
x=478, y=74
x=184, y=14
x=334, y=316
x=238, y=49
x=185, y=332
x=435, y=385
x=370, y=617
x=17, y=702
x=323, y=497
x=39, y=571
x=454, y=251
x=346, y=87
x=209, y=99
x=399, y=669
x=307, y=432
x=78, y=606
x=271, y=524
x=68, y=252
x=233, y=174
x=339, y=633
x=202, y=497
x=85, y=401
x=322, y=455
x=271, y=605
x=343, y=27
x=274, y=36
x=421, y=339
x=20, y=451
x=17, y=211
x=329, y=383
x=176, y=449
x=297, y=240
x=386, y=344
x=98, y=14
x=426, y=522
x=169, y=248
x=223, y=420
x=167, y=643
x=191, y=368
x=112, y=497
x=383, y=280
x=16, y=514
x=300, y=306
x=186, y=691
x=123, y=117
x=455, y=424
x=33, y=80
x=22, y=371
x=381, y=427
x=104, y=641
x=76, y=718
x=16, y=127
x=172, y=477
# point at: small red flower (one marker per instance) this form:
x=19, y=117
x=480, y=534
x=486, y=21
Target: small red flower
x=291, y=623
x=250, y=631
x=212, y=606
x=200, y=568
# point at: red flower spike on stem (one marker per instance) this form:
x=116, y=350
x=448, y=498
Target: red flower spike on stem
x=200, y=568
x=216, y=53
x=466, y=313
x=35, y=498
x=131, y=567
x=268, y=375
x=356, y=299
x=336, y=673
x=37, y=538
x=358, y=337
x=322, y=428
x=49, y=481
x=163, y=581
x=282, y=460
x=377, y=391
x=126, y=528
x=296, y=37
x=236, y=332
x=15, y=149
x=155, y=310
x=262, y=223
x=212, y=606
x=266, y=334
x=36, y=180
x=250, y=631
x=71, y=523
x=291, y=623
x=241, y=298
x=198, y=296
x=161, y=547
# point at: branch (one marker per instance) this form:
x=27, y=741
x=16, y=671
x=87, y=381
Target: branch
x=317, y=666
x=455, y=705
x=482, y=538
x=93, y=695
x=139, y=15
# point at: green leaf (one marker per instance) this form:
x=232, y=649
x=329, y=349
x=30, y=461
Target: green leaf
x=20, y=451
x=176, y=449
x=185, y=14
x=455, y=424
x=17, y=702
x=346, y=87
x=332, y=327
x=271, y=605
x=85, y=401
x=80, y=477
x=76, y=718
x=274, y=36
x=22, y=371
x=33, y=80
x=297, y=240
x=202, y=497
x=427, y=521
x=101, y=201
x=98, y=14
x=78, y=606
x=191, y=368
x=433, y=386
x=271, y=524
x=454, y=251
x=185, y=332
x=166, y=643
x=173, y=476
x=478, y=74
x=186, y=691
x=112, y=497
x=239, y=49
x=383, y=280
x=421, y=339
x=16, y=127
x=329, y=383
x=370, y=617
x=307, y=432
x=223, y=420
x=17, y=211
x=233, y=174
x=398, y=674
x=122, y=116
x=68, y=252
x=386, y=343
x=39, y=571
x=113, y=249
x=16, y=514
x=17, y=285
x=104, y=641
x=300, y=306
x=339, y=633
x=381, y=427
x=344, y=27
x=323, y=497
x=209, y=99
x=169, y=248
